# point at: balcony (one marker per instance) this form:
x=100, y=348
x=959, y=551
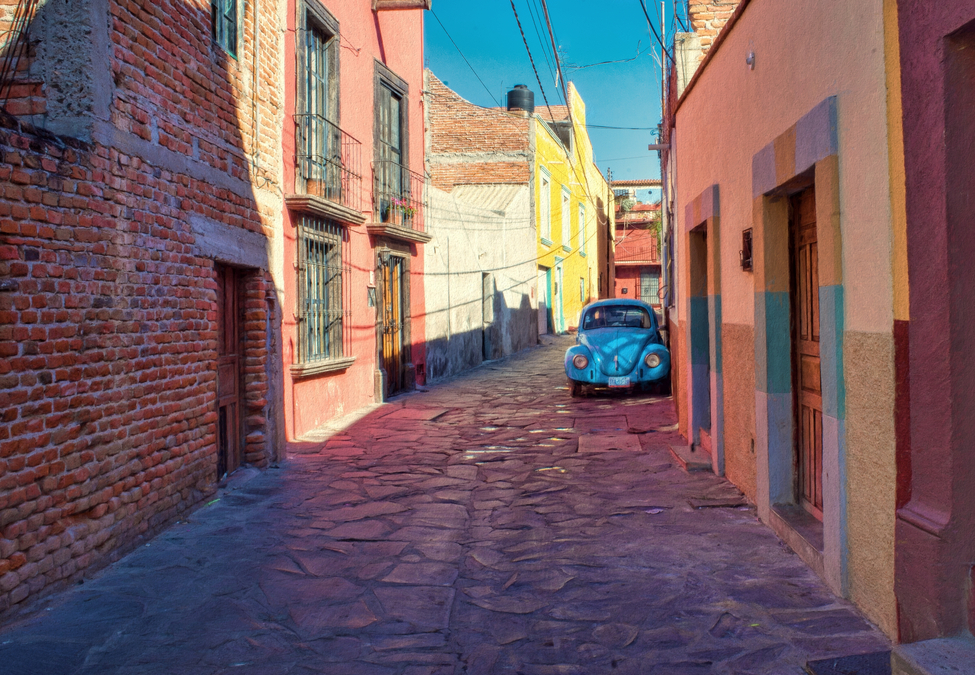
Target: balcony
x=398, y=203
x=328, y=177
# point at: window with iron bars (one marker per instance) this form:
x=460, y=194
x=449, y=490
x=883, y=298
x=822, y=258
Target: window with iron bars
x=223, y=15
x=321, y=305
x=320, y=161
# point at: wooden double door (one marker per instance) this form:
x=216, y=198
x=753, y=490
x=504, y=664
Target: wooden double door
x=229, y=371
x=393, y=308
x=806, y=372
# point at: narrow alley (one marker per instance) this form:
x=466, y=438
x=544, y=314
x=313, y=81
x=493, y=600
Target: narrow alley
x=491, y=524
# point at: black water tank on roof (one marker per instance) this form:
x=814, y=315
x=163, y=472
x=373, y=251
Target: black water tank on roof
x=521, y=98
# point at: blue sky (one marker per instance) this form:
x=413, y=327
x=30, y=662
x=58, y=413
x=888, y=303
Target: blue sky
x=623, y=94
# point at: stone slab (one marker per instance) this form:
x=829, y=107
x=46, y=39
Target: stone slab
x=609, y=443
x=875, y=663
x=689, y=459
x=943, y=656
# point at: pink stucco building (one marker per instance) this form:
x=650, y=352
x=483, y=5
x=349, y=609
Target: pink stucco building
x=822, y=326
x=352, y=263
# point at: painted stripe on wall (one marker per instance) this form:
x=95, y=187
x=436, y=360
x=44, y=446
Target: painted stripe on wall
x=773, y=361
x=831, y=326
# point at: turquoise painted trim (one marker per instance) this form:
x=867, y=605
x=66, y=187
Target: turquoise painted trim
x=715, y=307
x=773, y=351
x=699, y=331
x=761, y=357
x=567, y=249
x=546, y=242
x=831, y=327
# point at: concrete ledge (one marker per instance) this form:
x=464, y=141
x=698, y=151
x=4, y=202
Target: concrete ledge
x=801, y=532
x=943, y=656
x=691, y=460
x=874, y=663
x=396, y=232
x=325, y=208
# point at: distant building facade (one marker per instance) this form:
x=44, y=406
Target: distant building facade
x=637, y=253
x=480, y=286
x=574, y=214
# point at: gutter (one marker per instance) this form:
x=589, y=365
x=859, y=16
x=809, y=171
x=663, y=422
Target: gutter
x=718, y=41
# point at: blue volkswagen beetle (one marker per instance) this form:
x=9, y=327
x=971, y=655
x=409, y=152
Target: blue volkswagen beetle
x=618, y=346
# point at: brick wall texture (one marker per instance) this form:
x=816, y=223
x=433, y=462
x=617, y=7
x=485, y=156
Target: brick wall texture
x=108, y=331
x=473, y=145
x=708, y=18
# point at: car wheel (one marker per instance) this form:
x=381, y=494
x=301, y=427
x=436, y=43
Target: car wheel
x=575, y=389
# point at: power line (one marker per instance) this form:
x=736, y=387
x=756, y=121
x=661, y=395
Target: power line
x=532, y=10
x=679, y=20
x=535, y=70
x=465, y=58
x=655, y=33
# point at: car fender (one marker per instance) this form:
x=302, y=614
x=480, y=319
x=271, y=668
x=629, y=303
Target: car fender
x=571, y=353
x=661, y=371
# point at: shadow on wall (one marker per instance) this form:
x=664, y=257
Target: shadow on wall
x=139, y=321
x=511, y=330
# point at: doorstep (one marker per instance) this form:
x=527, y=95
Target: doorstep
x=691, y=459
x=942, y=656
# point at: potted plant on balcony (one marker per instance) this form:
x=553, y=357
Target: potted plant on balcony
x=406, y=211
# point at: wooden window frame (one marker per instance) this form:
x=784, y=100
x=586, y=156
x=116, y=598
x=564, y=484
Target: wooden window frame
x=221, y=21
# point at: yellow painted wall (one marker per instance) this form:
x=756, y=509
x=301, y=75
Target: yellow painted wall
x=572, y=173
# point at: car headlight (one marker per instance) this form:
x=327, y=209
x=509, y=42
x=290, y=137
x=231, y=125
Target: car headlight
x=580, y=361
x=652, y=360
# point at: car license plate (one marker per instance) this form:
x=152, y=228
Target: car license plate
x=619, y=382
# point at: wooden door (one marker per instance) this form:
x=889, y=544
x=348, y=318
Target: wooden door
x=392, y=328
x=229, y=450
x=807, y=388
x=557, y=300
x=543, y=299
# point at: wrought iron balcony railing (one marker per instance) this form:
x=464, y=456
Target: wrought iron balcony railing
x=398, y=196
x=329, y=162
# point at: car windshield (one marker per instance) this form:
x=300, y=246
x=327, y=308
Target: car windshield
x=617, y=316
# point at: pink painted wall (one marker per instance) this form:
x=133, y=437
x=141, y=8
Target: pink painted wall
x=936, y=527
x=394, y=38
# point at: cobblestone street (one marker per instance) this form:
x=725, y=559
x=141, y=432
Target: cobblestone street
x=491, y=524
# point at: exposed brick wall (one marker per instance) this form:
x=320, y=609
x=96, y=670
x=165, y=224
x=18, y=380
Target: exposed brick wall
x=708, y=18
x=22, y=90
x=108, y=310
x=469, y=144
x=509, y=173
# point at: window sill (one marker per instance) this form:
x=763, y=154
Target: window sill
x=325, y=208
x=302, y=370
x=567, y=249
x=582, y=253
x=546, y=242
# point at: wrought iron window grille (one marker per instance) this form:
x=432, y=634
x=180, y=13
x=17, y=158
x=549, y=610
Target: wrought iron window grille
x=323, y=307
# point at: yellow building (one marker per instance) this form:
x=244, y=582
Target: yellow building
x=572, y=205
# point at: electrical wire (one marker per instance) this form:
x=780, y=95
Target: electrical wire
x=535, y=70
x=654, y=31
x=677, y=16
x=532, y=10
x=464, y=57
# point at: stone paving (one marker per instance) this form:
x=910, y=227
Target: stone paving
x=491, y=524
